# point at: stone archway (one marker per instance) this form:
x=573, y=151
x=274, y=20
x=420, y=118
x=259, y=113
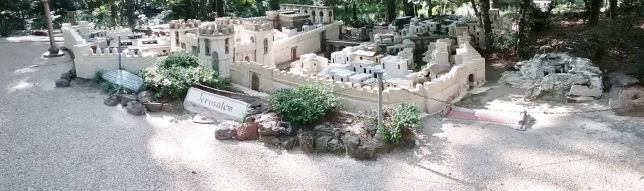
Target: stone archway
x=470, y=81
x=254, y=81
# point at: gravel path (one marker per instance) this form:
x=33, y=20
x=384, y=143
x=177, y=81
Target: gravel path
x=66, y=139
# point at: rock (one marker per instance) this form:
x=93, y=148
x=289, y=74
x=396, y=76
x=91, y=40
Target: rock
x=153, y=106
x=247, y=130
x=356, y=149
x=173, y=106
x=619, y=79
x=225, y=131
x=578, y=90
x=326, y=126
x=580, y=99
x=627, y=101
x=63, y=83
x=270, y=140
x=550, y=76
x=126, y=98
x=144, y=97
x=285, y=128
x=268, y=124
x=335, y=146
x=135, y=108
x=306, y=140
x=198, y=118
x=288, y=142
x=321, y=143
x=68, y=75
x=112, y=100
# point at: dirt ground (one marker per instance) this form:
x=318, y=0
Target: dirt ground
x=66, y=139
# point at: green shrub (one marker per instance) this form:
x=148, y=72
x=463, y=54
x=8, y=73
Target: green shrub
x=405, y=117
x=304, y=104
x=179, y=60
x=370, y=119
x=172, y=77
x=504, y=40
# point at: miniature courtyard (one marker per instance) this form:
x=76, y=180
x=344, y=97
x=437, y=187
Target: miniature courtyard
x=300, y=97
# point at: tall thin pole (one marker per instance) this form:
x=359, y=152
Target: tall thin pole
x=53, y=49
x=380, y=87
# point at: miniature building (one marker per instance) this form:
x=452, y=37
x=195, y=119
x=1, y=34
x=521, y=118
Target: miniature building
x=310, y=64
x=218, y=47
x=178, y=30
x=318, y=14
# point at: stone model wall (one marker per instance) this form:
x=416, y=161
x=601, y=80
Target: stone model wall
x=87, y=62
x=356, y=97
x=304, y=43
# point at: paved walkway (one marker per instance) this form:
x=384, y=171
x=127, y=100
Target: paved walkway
x=66, y=139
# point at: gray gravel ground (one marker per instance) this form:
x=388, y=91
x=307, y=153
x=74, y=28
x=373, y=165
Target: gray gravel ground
x=66, y=139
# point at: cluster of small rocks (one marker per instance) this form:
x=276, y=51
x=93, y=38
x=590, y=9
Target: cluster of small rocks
x=65, y=79
x=141, y=103
x=323, y=138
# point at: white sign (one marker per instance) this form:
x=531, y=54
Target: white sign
x=213, y=105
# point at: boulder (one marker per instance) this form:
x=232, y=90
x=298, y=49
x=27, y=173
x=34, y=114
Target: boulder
x=225, y=131
x=288, y=142
x=135, y=108
x=63, y=83
x=173, y=106
x=144, y=97
x=285, y=128
x=270, y=140
x=321, y=143
x=247, y=130
x=585, y=91
x=306, y=140
x=619, y=79
x=268, y=124
x=627, y=101
x=126, y=98
x=551, y=76
x=335, y=146
x=153, y=106
x=112, y=100
x=357, y=149
x=68, y=75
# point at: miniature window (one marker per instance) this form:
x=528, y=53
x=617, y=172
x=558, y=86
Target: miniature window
x=361, y=58
x=398, y=66
x=265, y=46
x=252, y=39
x=176, y=37
x=227, y=46
x=207, y=46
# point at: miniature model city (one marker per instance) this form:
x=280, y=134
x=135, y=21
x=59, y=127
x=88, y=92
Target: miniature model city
x=303, y=44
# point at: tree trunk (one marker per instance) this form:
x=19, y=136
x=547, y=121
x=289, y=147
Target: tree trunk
x=113, y=13
x=595, y=5
x=391, y=10
x=429, y=8
x=487, y=24
x=220, y=8
x=129, y=13
x=613, y=9
x=476, y=12
x=525, y=5
x=408, y=8
x=354, y=12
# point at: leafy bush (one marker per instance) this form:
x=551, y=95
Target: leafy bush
x=405, y=117
x=304, y=104
x=504, y=40
x=370, y=119
x=180, y=60
x=173, y=76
